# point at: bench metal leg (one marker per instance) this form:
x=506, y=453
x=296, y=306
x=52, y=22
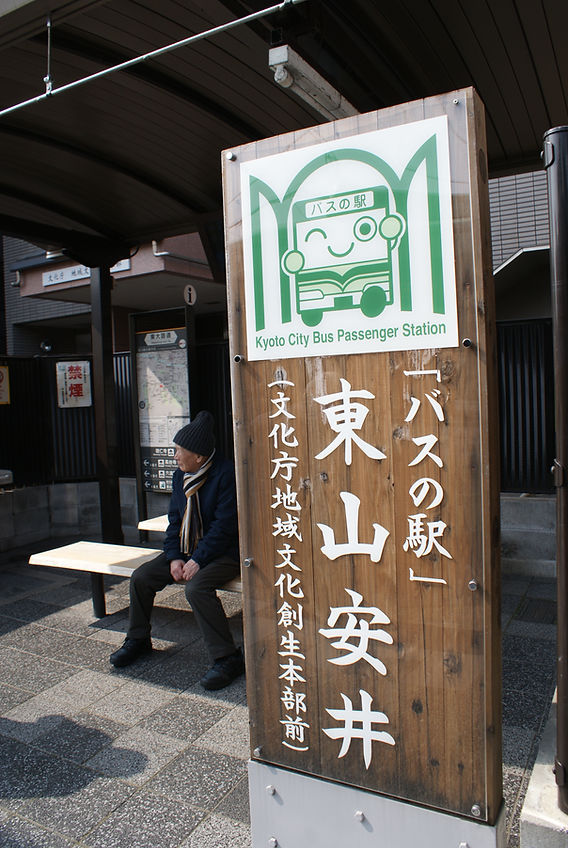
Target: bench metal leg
x=98, y=590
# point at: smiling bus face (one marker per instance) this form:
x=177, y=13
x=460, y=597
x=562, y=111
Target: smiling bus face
x=342, y=252
x=343, y=229
x=336, y=240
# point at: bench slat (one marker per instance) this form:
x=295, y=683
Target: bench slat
x=96, y=557
x=234, y=585
x=104, y=558
x=158, y=524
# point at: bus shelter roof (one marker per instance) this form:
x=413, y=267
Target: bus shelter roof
x=135, y=155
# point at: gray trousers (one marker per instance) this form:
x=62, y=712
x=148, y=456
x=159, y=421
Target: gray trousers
x=153, y=576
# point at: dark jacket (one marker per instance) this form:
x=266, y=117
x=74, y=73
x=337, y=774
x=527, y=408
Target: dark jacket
x=218, y=502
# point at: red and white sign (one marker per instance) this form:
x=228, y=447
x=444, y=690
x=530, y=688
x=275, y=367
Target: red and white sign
x=73, y=384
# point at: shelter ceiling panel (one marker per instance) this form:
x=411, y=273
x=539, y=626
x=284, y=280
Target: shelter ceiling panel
x=70, y=185
x=547, y=37
x=513, y=53
x=141, y=147
x=21, y=19
x=27, y=207
x=527, y=60
x=205, y=71
x=443, y=40
x=403, y=40
x=149, y=137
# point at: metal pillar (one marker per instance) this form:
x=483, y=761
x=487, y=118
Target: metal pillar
x=105, y=420
x=556, y=164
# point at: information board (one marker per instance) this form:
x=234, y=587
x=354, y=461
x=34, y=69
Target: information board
x=163, y=402
x=362, y=337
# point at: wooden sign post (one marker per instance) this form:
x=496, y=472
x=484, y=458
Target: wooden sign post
x=362, y=338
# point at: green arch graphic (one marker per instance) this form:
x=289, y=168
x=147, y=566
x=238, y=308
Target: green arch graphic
x=400, y=186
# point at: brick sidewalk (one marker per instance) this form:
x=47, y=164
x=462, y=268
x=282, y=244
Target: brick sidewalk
x=100, y=758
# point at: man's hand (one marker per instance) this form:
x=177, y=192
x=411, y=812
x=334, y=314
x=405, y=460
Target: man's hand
x=190, y=569
x=176, y=570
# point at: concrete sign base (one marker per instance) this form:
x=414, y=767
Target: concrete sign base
x=293, y=810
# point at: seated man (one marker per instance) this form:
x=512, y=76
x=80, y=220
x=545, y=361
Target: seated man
x=200, y=550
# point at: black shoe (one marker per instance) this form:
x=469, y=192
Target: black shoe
x=224, y=671
x=129, y=651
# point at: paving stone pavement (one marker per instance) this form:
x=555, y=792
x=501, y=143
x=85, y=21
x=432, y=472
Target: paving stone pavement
x=94, y=757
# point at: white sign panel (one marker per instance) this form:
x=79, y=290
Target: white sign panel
x=348, y=245
x=77, y=272
x=73, y=384
x=65, y=275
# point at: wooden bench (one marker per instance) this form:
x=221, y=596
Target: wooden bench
x=100, y=558
x=158, y=524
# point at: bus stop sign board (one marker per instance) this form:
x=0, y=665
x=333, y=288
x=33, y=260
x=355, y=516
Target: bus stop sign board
x=362, y=334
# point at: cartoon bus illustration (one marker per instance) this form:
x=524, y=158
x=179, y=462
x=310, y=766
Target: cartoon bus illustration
x=342, y=253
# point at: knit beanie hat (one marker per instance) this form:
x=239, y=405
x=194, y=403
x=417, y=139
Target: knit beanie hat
x=199, y=435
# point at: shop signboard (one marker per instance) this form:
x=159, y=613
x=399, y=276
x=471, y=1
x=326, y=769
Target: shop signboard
x=362, y=338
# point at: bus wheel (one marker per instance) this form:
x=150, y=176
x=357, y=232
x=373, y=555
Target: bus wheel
x=312, y=317
x=373, y=301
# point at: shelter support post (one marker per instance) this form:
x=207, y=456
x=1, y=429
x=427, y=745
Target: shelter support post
x=556, y=164
x=105, y=420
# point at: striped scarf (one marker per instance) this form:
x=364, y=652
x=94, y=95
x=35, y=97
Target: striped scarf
x=192, y=525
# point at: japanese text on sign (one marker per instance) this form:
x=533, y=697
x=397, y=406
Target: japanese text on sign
x=73, y=384
x=355, y=628
x=287, y=526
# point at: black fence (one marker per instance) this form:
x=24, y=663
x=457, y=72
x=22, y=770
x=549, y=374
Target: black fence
x=124, y=419
x=41, y=443
x=526, y=396
x=26, y=443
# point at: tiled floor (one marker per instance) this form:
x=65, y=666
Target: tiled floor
x=105, y=759
x=529, y=673
x=96, y=758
